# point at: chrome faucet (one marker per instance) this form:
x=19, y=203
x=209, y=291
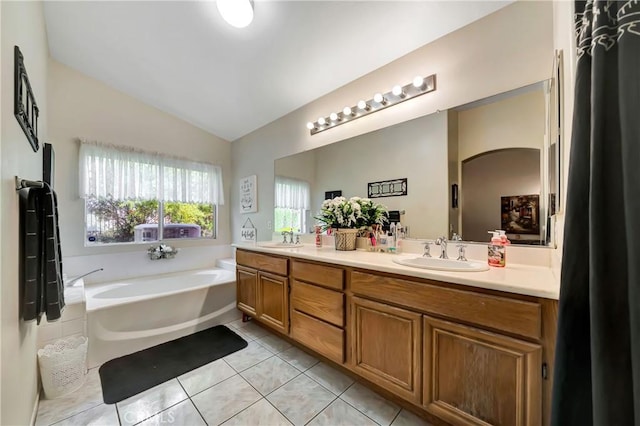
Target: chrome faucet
x=461, y=252
x=456, y=237
x=284, y=237
x=427, y=249
x=442, y=242
x=73, y=281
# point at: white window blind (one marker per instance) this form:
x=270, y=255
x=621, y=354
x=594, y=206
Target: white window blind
x=126, y=173
x=291, y=193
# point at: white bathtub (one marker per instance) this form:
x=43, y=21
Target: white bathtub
x=134, y=314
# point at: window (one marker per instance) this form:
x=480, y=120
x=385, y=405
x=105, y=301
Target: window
x=134, y=196
x=291, y=204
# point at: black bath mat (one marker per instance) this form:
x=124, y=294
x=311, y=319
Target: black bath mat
x=131, y=374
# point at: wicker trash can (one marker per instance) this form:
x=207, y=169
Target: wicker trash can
x=63, y=366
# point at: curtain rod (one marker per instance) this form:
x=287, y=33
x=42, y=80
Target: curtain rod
x=25, y=183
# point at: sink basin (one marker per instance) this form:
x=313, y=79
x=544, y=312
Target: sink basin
x=273, y=244
x=442, y=264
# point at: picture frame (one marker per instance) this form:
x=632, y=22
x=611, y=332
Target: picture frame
x=387, y=188
x=330, y=195
x=25, y=108
x=249, y=194
x=520, y=214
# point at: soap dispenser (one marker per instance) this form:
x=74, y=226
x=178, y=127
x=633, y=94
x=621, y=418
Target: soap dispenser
x=496, y=251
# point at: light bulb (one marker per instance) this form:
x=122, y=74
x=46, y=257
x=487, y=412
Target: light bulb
x=333, y=116
x=237, y=13
x=418, y=82
x=311, y=126
x=363, y=105
x=347, y=111
x=379, y=98
x=397, y=91
x=322, y=121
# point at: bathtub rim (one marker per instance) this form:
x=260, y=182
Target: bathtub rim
x=90, y=290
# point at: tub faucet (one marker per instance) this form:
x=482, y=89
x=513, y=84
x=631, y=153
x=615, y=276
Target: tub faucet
x=442, y=242
x=73, y=281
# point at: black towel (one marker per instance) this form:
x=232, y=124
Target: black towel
x=43, y=289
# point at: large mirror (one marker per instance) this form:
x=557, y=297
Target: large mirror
x=486, y=165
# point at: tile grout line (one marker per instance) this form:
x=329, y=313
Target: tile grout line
x=191, y=401
x=359, y=410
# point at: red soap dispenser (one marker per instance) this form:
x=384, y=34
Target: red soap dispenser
x=496, y=250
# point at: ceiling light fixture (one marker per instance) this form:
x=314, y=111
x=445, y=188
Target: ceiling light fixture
x=379, y=99
x=363, y=106
x=397, y=91
x=237, y=13
x=419, y=86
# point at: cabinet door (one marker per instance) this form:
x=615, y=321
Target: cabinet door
x=247, y=290
x=386, y=346
x=273, y=301
x=473, y=377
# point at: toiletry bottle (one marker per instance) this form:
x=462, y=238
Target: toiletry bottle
x=505, y=242
x=391, y=239
x=399, y=237
x=318, y=237
x=496, y=251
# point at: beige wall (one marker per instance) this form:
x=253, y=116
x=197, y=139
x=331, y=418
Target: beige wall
x=22, y=25
x=514, y=122
x=416, y=150
x=83, y=107
x=489, y=177
x=508, y=49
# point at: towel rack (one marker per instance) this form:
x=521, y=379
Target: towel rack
x=25, y=183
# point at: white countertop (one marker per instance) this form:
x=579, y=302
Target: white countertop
x=528, y=280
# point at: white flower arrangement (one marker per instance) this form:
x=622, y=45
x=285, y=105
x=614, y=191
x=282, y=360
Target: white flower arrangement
x=353, y=213
x=162, y=251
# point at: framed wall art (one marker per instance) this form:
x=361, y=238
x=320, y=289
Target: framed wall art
x=387, y=188
x=25, y=107
x=249, y=194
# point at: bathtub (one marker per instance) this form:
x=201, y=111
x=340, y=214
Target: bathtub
x=130, y=315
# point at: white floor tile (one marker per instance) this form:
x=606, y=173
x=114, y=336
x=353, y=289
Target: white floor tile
x=407, y=418
x=259, y=414
x=100, y=415
x=371, y=404
x=88, y=396
x=150, y=402
x=339, y=413
x=330, y=378
x=248, y=357
x=274, y=343
x=206, y=376
x=225, y=400
x=301, y=399
x=298, y=358
x=183, y=413
x=270, y=374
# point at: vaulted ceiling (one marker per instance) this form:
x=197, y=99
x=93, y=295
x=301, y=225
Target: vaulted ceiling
x=182, y=58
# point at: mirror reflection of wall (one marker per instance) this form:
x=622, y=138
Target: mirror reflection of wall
x=491, y=148
x=500, y=146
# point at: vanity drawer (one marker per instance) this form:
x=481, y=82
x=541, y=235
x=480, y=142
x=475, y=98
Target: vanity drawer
x=318, y=335
x=262, y=262
x=327, y=305
x=501, y=313
x=323, y=275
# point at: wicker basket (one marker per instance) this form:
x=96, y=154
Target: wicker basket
x=345, y=239
x=63, y=365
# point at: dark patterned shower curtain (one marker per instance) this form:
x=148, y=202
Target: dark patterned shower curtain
x=597, y=367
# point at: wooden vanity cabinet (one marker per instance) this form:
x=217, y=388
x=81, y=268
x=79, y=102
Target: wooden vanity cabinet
x=467, y=357
x=473, y=377
x=317, y=308
x=262, y=288
x=386, y=344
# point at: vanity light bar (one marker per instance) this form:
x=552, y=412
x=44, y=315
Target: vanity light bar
x=419, y=86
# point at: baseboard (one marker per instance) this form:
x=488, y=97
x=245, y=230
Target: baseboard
x=34, y=413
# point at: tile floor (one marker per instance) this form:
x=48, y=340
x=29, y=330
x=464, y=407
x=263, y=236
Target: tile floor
x=268, y=383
